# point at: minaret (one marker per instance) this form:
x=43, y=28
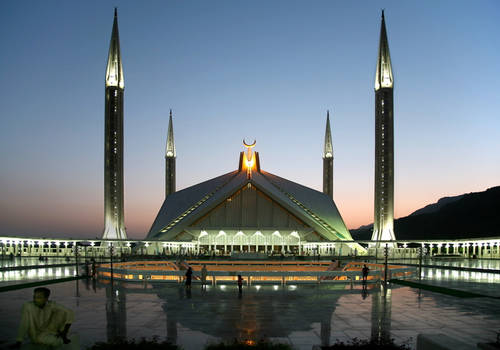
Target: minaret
x=114, y=227
x=383, y=223
x=328, y=159
x=170, y=159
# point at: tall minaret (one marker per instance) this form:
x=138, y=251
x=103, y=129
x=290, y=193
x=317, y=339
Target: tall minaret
x=383, y=223
x=328, y=159
x=114, y=227
x=170, y=159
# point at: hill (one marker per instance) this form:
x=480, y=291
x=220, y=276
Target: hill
x=471, y=215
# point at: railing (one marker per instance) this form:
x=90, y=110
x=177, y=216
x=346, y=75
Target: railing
x=134, y=273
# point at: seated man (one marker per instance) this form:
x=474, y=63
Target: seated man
x=44, y=321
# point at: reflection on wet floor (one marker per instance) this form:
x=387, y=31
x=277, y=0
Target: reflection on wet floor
x=491, y=264
x=302, y=315
x=38, y=274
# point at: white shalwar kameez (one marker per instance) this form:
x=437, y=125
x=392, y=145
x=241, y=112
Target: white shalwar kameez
x=43, y=324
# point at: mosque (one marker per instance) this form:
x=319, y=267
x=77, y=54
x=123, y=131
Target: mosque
x=251, y=210
x=248, y=210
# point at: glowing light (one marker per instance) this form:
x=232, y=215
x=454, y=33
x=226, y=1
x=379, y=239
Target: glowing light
x=249, y=162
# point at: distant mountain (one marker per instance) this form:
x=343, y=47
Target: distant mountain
x=471, y=215
x=432, y=208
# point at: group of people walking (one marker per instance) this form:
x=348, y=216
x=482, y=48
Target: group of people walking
x=203, y=278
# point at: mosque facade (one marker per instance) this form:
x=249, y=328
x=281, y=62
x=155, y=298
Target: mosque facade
x=253, y=211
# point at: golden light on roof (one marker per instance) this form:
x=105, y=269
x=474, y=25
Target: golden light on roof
x=249, y=162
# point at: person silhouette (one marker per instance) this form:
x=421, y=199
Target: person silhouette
x=365, y=271
x=240, y=284
x=189, y=275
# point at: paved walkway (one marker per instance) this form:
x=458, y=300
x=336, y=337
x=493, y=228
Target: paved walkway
x=303, y=315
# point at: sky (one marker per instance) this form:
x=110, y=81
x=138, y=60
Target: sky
x=264, y=70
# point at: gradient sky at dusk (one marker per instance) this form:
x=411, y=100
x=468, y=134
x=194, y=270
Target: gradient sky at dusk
x=264, y=70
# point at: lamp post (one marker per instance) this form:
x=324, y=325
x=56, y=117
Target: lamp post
x=75, y=247
x=386, y=254
x=420, y=253
x=111, y=260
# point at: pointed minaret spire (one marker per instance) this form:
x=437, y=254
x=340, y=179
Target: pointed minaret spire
x=383, y=77
x=328, y=159
x=170, y=149
x=170, y=156
x=328, y=149
x=383, y=221
x=114, y=69
x=114, y=222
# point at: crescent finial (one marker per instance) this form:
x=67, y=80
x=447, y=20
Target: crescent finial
x=249, y=146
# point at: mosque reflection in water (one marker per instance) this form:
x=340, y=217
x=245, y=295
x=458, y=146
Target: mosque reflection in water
x=260, y=313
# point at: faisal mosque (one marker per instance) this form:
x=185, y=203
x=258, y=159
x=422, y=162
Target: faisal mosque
x=250, y=210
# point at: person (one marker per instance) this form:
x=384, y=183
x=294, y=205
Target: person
x=204, y=276
x=365, y=271
x=44, y=321
x=189, y=274
x=240, y=284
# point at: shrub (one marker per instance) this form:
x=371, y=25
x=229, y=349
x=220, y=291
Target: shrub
x=132, y=344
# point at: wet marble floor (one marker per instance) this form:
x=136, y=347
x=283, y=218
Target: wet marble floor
x=302, y=315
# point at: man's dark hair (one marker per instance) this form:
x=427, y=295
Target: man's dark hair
x=45, y=291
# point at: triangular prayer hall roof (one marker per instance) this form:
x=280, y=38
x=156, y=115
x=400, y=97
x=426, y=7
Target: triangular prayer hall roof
x=184, y=209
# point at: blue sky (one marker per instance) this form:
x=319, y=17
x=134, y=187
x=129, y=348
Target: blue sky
x=264, y=70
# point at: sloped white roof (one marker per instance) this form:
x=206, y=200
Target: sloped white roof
x=183, y=208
